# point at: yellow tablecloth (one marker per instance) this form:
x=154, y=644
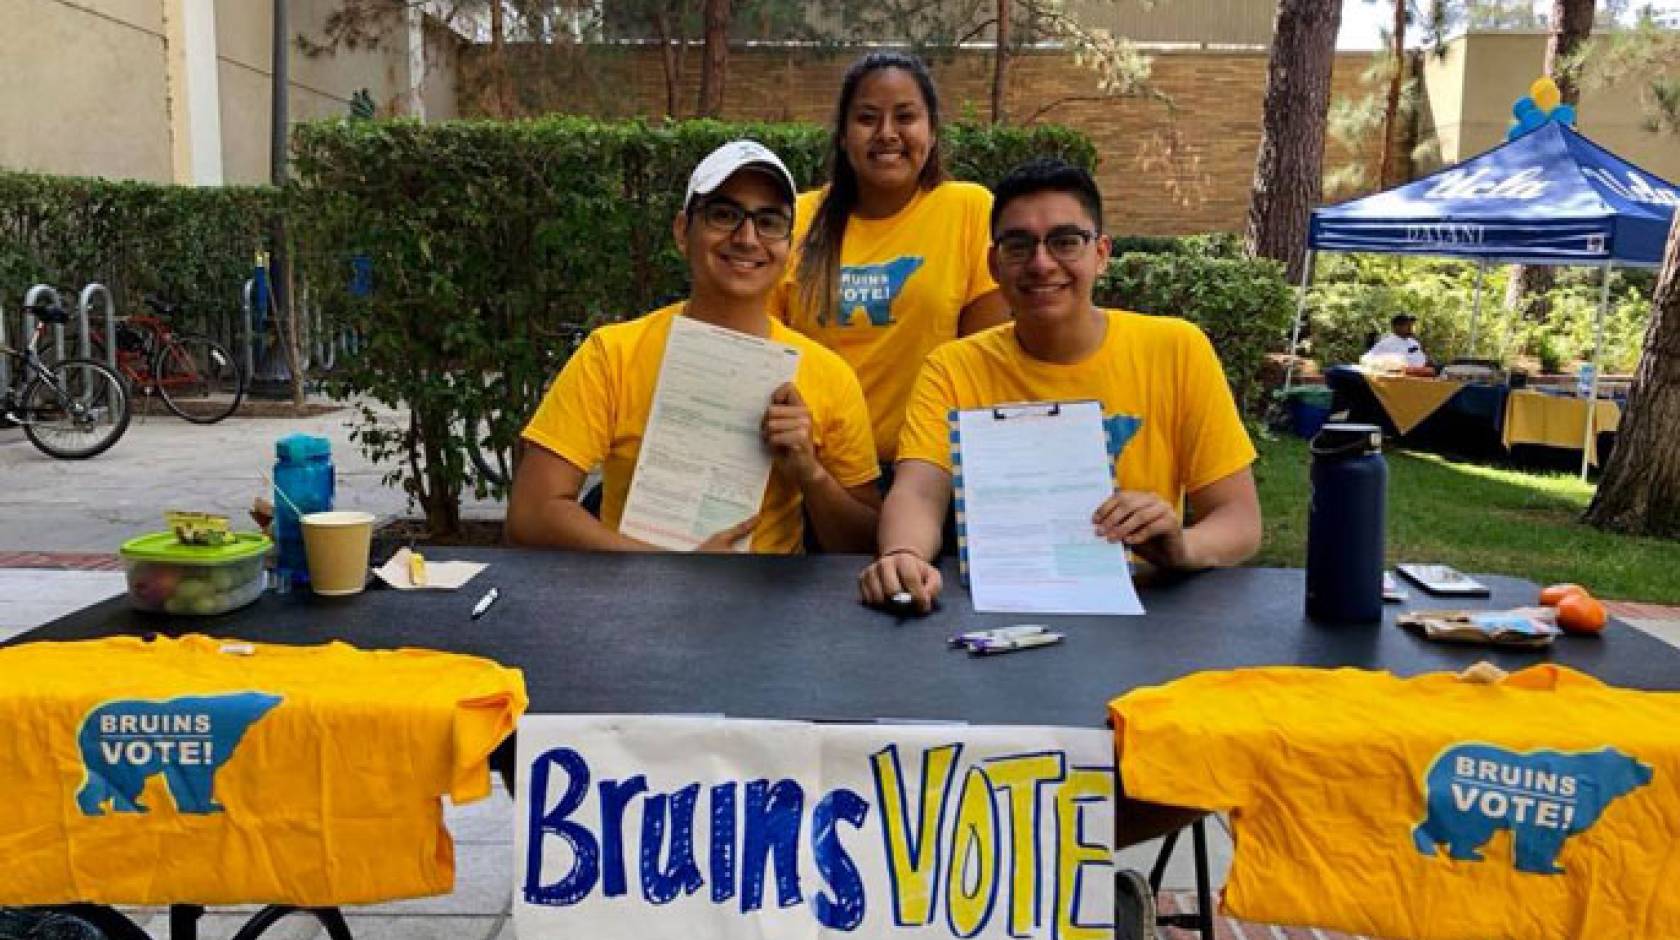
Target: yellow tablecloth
x=1537, y=418
x=1409, y=400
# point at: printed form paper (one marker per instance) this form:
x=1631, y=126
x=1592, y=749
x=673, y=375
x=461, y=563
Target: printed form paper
x=1032, y=476
x=703, y=465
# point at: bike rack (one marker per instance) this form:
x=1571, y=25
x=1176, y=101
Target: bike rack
x=32, y=299
x=82, y=306
x=249, y=293
x=326, y=345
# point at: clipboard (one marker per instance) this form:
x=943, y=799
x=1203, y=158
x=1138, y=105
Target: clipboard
x=1043, y=557
x=1002, y=412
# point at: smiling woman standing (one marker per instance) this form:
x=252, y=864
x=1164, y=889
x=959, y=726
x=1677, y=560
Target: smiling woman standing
x=891, y=256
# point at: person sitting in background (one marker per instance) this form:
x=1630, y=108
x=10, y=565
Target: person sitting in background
x=1400, y=346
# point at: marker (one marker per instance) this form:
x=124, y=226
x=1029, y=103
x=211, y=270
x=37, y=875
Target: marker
x=485, y=602
x=1018, y=643
x=997, y=633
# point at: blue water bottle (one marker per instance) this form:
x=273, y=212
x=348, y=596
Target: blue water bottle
x=303, y=471
x=1346, y=524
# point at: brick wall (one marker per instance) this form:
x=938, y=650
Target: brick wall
x=1163, y=171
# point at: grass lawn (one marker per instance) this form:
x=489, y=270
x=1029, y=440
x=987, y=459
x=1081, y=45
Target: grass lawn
x=1476, y=518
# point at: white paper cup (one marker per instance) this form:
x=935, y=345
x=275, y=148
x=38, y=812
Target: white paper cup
x=337, y=545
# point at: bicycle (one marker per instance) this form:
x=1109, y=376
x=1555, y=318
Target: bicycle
x=65, y=401
x=197, y=378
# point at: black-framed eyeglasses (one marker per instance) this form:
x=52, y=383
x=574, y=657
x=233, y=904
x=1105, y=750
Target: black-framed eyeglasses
x=1066, y=243
x=726, y=215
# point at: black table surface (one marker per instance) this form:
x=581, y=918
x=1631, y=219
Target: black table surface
x=785, y=637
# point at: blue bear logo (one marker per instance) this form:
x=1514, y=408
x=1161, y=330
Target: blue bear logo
x=874, y=287
x=1119, y=430
x=185, y=739
x=1543, y=797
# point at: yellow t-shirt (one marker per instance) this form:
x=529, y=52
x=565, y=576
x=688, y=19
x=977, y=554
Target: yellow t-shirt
x=903, y=283
x=1165, y=403
x=220, y=772
x=1544, y=806
x=597, y=411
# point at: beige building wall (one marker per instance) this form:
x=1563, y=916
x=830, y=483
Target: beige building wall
x=1468, y=96
x=101, y=87
x=1205, y=22
x=321, y=86
x=84, y=89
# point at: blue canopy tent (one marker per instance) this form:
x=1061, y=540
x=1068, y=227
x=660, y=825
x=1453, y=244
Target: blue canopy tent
x=1549, y=197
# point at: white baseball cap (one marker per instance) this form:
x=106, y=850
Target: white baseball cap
x=733, y=157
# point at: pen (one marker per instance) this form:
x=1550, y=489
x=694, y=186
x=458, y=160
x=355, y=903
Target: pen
x=989, y=647
x=998, y=633
x=485, y=602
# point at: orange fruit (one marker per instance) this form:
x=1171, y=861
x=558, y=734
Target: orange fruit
x=1581, y=613
x=1553, y=595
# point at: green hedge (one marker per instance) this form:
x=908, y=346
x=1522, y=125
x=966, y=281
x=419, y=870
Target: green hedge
x=490, y=240
x=191, y=245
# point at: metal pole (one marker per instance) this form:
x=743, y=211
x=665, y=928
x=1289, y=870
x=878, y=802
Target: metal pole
x=1476, y=308
x=5, y=361
x=86, y=301
x=1300, y=314
x=1592, y=386
x=278, y=125
x=280, y=82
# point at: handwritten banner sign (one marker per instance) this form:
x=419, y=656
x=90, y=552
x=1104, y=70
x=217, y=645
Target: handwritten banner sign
x=640, y=827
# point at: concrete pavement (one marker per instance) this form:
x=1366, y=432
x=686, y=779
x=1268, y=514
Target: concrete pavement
x=165, y=463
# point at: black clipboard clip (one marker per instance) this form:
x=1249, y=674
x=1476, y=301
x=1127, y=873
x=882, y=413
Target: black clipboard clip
x=1027, y=409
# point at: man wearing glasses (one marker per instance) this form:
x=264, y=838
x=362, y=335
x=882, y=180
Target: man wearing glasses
x=1174, y=433
x=735, y=230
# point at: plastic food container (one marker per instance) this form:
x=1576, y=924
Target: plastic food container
x=166, y=576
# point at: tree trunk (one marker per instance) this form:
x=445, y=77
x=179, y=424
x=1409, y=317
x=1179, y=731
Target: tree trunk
x=1571, y=23
x=1000, y=64
x=1289, y=170
x=715, y=65
x=667, y=59
x=1640, y=490
x=498, y=64
x=1386, y=175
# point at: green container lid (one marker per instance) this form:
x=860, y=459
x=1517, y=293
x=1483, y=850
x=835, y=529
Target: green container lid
x=164, y=546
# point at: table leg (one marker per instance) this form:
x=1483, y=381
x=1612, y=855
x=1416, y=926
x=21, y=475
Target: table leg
x=1204, y=889
x=329, y=917
x=183, y=921
x=1201, y=920
x=109, y=921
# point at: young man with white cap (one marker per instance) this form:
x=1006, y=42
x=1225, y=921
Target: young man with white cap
x=735, y=230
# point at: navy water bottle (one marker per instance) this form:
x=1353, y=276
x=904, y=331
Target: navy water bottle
x=303, y=471
x=1346, y=524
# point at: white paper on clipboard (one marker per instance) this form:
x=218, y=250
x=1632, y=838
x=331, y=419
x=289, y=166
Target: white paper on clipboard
x=1030, y=476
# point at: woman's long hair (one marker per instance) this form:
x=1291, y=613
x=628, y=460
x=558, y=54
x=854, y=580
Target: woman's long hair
x=819, y=262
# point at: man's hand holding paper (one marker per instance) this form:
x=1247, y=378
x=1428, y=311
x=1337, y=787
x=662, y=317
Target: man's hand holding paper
x=786, y=428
